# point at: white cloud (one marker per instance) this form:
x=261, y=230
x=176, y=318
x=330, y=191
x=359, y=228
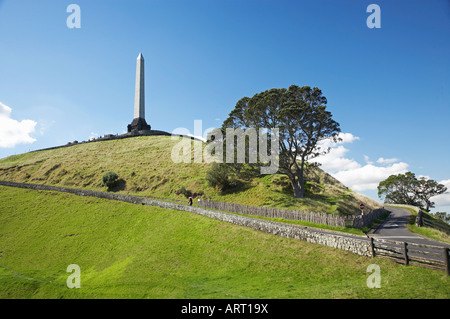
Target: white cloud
x=369, y=176
x=353, y=174
x=382, y=160
x=13, y=132
x=347, y=138
x=364, y=177
x=335, y=160
x=5, y=110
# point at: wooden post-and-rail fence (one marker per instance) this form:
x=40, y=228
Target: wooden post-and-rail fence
x=428, y=256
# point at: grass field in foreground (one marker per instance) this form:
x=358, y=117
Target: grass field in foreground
x=135, y=251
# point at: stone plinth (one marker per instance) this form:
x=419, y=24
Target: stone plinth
x=138, y=124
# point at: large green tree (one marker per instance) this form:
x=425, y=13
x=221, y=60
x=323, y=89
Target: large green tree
x=399, y=189
x=407, y=189
x=300, y=115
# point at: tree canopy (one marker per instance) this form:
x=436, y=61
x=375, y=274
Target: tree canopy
x=300, y=115
x=407, y=189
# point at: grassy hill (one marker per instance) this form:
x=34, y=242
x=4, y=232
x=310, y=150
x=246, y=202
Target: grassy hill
x=145, y=167
x=134, y=251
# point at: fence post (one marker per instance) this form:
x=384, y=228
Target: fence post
x=405, y=247
x=419, y=219
x=447, y=261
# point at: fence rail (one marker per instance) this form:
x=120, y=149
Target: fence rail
x=428, y=256
x=445, y=228
x=358, y=221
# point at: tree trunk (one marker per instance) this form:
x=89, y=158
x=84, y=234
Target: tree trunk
x=298, y=193
x=427, y=203
x=300, y=179
x=297, y=187
x=295, y=175
x=296, y=178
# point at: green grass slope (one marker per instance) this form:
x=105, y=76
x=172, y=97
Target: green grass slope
x=134, y=251
x=145, y=166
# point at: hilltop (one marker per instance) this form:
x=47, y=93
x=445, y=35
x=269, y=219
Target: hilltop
x=145, y=168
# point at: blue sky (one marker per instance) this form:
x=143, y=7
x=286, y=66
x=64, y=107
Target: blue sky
x=388, y=87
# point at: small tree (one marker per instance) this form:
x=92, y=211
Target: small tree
x=109, y=179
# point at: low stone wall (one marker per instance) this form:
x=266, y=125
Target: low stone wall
x=354, y=244
x=361, y=221
x=417, y=209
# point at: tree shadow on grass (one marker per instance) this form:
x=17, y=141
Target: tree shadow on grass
x=239, y=186
x=118, y=185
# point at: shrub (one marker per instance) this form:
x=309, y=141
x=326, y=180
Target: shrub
x=220, y=176
x=184, y=191
x=109, y=179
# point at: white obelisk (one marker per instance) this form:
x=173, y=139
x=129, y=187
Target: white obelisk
x=139, y=93
x=139, y=123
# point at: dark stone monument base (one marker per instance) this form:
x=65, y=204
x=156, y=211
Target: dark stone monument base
x=144, y=133
x=138, y=124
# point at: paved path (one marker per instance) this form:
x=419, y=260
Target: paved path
x=395, y=228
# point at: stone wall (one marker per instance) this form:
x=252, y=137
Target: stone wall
x=416, y=208
x=355, y=244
